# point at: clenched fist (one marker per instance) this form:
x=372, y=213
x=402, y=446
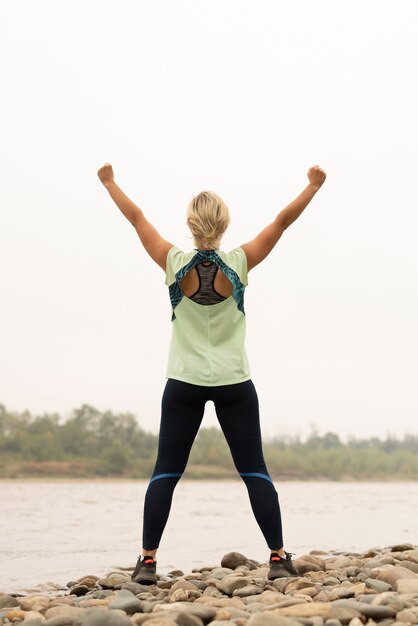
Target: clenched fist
x=316, y=176
x=105, y=174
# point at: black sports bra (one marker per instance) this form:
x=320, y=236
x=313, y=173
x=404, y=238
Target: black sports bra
x=206, y=292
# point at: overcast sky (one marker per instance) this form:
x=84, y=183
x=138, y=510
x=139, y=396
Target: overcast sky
x=240, y=97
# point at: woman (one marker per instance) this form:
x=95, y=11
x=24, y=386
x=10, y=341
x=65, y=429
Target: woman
x=207, y=360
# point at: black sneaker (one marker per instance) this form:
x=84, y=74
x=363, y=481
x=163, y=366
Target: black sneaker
x=145, y=571
x=281, y=567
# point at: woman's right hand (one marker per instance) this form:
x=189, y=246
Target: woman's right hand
x=316, y=176
x=105, y=174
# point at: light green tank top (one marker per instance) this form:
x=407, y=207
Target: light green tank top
x=207, y=341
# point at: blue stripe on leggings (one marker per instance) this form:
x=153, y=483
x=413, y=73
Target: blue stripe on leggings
x=256, y=474
x=163, y=476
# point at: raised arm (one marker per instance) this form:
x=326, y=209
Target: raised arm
x=156, y=246
x=257, y=249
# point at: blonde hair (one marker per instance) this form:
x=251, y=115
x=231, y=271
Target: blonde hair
x=207, y=218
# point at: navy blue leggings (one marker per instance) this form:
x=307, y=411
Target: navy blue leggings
x=182, y=411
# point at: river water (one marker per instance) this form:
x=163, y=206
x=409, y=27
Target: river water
x=58, y=530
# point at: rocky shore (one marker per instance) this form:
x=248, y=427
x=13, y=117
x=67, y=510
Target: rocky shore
x=378, y=587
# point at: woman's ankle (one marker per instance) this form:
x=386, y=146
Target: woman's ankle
x=149, y=553
x=279, y=551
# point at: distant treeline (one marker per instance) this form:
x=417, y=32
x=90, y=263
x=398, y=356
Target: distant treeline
x=93, y=443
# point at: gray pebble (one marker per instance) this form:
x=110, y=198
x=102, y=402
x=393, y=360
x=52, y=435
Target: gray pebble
x=248, y=590
x=35, y=621
x=233, y=559
x=6, y=601
x=221, y=572
x=103, y=617
x=126, y=601
x=59, y=620
x=377, y=585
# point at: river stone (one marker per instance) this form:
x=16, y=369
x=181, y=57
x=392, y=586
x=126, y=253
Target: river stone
x=375, y=611
x=310, y=591
x=304, y=565
x=34, y=603
x=222, y=622
x=233, y=559
x=113, y=579
x=391, y=599
x=164, y=584
x=199, y=584
x=410, y=565
x=280, y=584
x=64, y=609
x=187, y=619
x=270, y=597
x=248, y=590
x=298, y=584
x=103, y=617
x=126, y=601
x=311, y=621
x=387, y=560
x=63, y=600
x=230, y=612
x=98, y=593
x=412, y=555
x=315, y=560
x=252, y=564
x=407, y=616
x=256, y=607
x=89, y=602
x=332, y=621
x=358, y=588
x=80, y=590
x=225, y=601
x=212, y=592
x=402, y=547
x=148, y=606
x=308, y=609
x=34, y=621
x=352, y=571
x=377, y=585
x=407, y=586
x=161, y=621
x=372, y=564
x=8, y=601
x=60, y=620
x=391, y=574
x=220, y=572
x=180, y=618
x=230, y=583
x=341, y=592
x=344, y=614
x=290, y=601
x=14, y=615
x=34, y=615
x=204, y=611
x=89, y=580
x=370, y=553
x=268, y=619
x=338, y=562
x=182, y=584
x=184, y=595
